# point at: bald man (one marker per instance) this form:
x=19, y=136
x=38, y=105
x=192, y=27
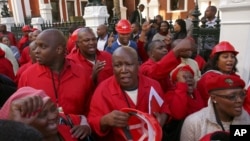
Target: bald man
x=102, y=37
x=64, y=81
x=125, y=89
x=97, y=63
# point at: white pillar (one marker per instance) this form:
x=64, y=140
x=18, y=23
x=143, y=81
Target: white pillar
x=123, y=10
x=8, y=21
x=95, y=15
x=17, y=11
x=153, y=8
x=36, y=22
x=45, y=11
x=27, y=8
x=235, y=27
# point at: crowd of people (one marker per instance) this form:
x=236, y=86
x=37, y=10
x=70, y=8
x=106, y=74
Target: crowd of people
x=58, y=90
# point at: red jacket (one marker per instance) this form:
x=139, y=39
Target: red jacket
x=106, y=72
x=142, y=51
x=21, y=70
x=25, y=56
x=160, y=70
x=73, y=86
x=201, y=84
x=70, y=45
x=200, y=61
x=108, y=96
x=247, y=101
x=23, y=42
x=64, y=130
x=6, y=67
x=180, y=104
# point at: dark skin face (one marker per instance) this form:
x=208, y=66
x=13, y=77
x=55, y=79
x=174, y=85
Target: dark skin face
x=228, y=109
x=49, y=51
x=123, y=38
x=101, y=31
x=87, y=44
x=125, y=67
x=226, y=62
x=2, y=28
x=158, y=51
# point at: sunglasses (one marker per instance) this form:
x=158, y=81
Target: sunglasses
x=232, y=97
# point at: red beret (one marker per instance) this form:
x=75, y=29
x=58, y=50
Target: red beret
x=222, y=81
x=26, y=28
x=175, y=72
x=217, y=135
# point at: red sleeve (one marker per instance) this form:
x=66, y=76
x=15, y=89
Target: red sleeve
x=98, y=108
x=25, y=57
x=178, y=101
x=7, y=68
x=141, y=51
x=161, y=68
x=247, y=101
x=201, y=87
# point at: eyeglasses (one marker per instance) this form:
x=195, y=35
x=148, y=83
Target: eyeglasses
x=233, y=97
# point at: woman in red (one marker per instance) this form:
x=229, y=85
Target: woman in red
x=183, y=100
x=35, y=108
x=222, y=61
x=6, y=67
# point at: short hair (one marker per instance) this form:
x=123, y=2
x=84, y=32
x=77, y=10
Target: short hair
x=152, y=44
x=55, y=36
x=17, y=131
x=213, y=8
x=142, y=5
x=129, y=50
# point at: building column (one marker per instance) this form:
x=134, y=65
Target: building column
x=153, y=8
x=123, y=10
x=235, y=27
x=17, y=11
x=27, y=8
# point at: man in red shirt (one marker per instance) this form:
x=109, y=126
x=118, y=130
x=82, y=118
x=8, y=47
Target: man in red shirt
x=24, y=41
x=6, y=67
x=11, y=36
x=126, y=89
x=65, y=82
x=97, y=63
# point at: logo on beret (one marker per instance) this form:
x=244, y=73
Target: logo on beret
x=229, y=81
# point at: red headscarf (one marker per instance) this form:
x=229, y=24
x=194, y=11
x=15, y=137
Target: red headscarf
x=175, y=72
x=20, y=93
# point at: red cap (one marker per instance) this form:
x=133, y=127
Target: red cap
x=217, y=135
x=123, y=27
x=223, y=46
x=74, y=35
x=179, y=68
x=26, y=28
x=222, y=81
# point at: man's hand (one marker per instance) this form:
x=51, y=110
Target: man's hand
x=26, y=109
x=80, y=131
x=114, y=119
x=99, y=65
x=184, y=45
x=161, y=118
x=111, y=39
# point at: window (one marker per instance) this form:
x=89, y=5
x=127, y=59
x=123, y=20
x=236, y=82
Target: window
x=55, y=11
x=176, y=6
x=83, y=4
x=70, y=9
